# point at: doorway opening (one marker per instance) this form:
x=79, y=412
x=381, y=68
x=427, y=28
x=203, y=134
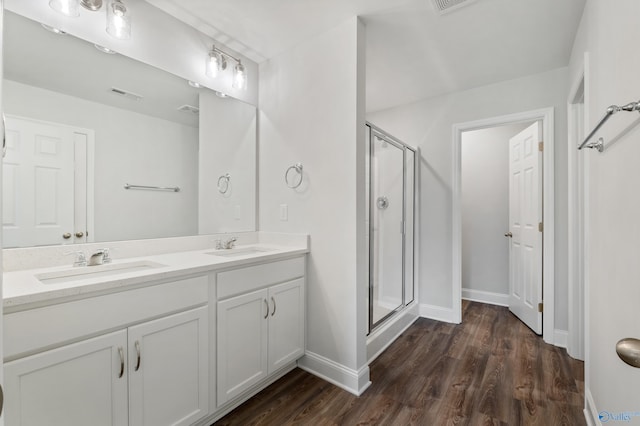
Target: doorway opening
x=501, y=208
x=545, y=118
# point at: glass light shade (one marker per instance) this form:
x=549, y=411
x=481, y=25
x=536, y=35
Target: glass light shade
x=240, y=77
x=66, y=7
x=118, y=20
x=215, y=63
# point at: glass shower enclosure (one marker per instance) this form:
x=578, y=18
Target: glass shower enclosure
x=391, y=168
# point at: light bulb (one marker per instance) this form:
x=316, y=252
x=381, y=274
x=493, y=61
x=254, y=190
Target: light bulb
x=215, y=63
x=66, y=7
x=240, y=77
x=118, y=20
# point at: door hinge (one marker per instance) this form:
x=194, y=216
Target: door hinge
x=540, y=146
x=540, y=307
x=540, y=227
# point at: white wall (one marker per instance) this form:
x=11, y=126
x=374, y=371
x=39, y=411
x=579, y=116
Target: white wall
x=609, y=33
x=485, y=208
x=227, y=145
x=129, y=148
x=157, y=39
x=428, y=125
x=312, y=112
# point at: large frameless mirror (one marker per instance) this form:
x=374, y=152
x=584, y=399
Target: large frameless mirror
x=101, y=147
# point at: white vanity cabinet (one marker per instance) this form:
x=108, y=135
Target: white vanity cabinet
x=152, y=372
x=260, y=324
x=79, y=384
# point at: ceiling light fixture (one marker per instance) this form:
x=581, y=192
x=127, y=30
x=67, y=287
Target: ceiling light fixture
x=217, y=62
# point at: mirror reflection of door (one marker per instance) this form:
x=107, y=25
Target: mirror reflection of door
x=42, y=204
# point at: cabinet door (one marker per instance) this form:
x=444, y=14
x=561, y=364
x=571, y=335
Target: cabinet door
x=242, y=343
x=286, y=323
x=168, y=370
x=80, y=384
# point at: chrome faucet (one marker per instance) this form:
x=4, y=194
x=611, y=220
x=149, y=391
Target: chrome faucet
x=226, y=244
x=98, y=257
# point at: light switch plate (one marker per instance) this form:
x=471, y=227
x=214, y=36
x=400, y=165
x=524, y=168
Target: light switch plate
x=284, y=212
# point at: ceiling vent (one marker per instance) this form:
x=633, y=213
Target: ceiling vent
x=189, y=108
x=125, y=94
x=445, y=6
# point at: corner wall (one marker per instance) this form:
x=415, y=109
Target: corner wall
x=608, y=33
x=428, y=125
x=312, y=112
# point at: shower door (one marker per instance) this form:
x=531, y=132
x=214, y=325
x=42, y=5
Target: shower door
x=390, y=218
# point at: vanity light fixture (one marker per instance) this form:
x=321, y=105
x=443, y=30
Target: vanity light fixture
x=118, y=16
x=69, y=8
x=217, y=62
x=118, y=20
x=239, y=76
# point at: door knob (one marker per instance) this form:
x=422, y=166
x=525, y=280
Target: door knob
x=508, y=234
x=629, y=351
x=79, y=234
x=66, y=235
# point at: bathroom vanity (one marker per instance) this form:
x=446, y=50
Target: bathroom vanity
x=177, y=338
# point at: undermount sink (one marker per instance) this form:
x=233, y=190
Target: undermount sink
x=240, y=251
x=88, y=272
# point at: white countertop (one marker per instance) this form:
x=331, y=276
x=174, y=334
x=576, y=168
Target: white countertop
x=23, y=290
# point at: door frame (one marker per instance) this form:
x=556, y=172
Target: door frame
x=546, y=116
x=578, y=239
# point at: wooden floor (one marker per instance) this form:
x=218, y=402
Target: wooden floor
x=490, y=370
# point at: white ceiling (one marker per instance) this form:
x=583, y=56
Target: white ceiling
x=412, y=51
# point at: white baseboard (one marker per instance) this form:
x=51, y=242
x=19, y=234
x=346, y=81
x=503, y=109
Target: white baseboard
x=560, y=338
x=590, y=410
x=353, y=381
x=438, y=313
x=481, y=296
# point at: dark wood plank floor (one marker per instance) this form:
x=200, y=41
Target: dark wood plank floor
x=490, y=370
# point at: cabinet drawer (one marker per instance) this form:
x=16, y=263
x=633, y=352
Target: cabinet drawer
x=36, y=329
x=238, y=281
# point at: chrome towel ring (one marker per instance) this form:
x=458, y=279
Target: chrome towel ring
x=223, y=183
x=298, y=169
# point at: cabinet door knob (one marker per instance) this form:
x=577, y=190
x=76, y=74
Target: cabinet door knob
x=274, y=306
x=79, y=234
x=121, y=353
x=66, y=235
x=138, y=353
x=266, y=304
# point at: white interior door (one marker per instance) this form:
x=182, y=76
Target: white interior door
x=525, y=214
x=38, y=184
